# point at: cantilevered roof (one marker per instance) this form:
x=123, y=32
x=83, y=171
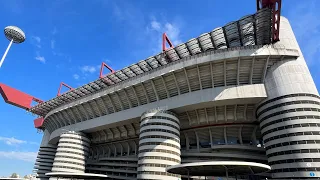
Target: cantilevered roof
x=218, y=168
x=77, y=175
x=248, y=31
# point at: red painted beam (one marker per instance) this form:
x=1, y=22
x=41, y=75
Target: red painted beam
x=164, y=40
x=103, y=65
x=38, y=123
x=65, y=85
x=264, y=3
x=17, y=98
x=275, y=5
x=276, y=10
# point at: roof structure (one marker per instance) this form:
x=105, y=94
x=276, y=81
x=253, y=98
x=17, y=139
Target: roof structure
x=243, y=32
x=218, y=168
x=77, y=175
x=100, y=84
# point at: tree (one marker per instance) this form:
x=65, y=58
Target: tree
x=25, y=177
x=14, y=175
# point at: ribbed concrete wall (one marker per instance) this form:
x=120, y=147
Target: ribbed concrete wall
x=289, y=117
x=72, y=151
x=248, y=31
x=159, y=145
x=44, y=161
x=45, y=157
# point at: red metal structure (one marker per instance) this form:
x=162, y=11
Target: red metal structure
x=164, y=40
x=17, y=98
x=38, y=122
x=65, y=85
x=103, y=65
x=20, y=99
x=275, y=5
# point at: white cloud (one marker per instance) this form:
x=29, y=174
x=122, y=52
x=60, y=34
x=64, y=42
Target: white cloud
x=105, y=60
x=88, y=69
x=34, y=143
x=150, y=27
x=12, y=141
x=36, y=41
x=157, y=28
x=23, y=156
x=155, y=25
x=76, y=76
x=40, y=58
x=173, y=32
x=53, y=42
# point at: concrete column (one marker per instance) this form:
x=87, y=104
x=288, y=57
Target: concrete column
x=72, y=152
x=198, y=141
x=289, y=116
x=159, y=145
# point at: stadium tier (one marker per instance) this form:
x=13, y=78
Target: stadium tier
x=230, y=104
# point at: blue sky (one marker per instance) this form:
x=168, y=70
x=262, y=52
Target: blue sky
x=68, y=39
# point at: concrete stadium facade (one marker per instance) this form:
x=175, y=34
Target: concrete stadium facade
x=229, y=96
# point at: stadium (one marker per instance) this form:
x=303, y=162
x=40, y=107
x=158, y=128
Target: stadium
x=235, y=103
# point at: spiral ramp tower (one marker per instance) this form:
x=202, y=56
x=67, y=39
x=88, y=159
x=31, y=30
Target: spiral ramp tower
x=71, y=155
x=45, y=157
x=72, y=152
x=289, y=116
x=44, y=161
x=159, y=145
x=229, y=98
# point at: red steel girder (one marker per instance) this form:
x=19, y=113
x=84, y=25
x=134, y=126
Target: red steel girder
x=264, y=3
x=38, y=123
x=17, y=98
x=60, y=87
x=103, y=65
x=275, y=5
x=164, y=40
x=276, y=9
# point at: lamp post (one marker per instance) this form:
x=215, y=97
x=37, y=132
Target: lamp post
x=14, y=35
